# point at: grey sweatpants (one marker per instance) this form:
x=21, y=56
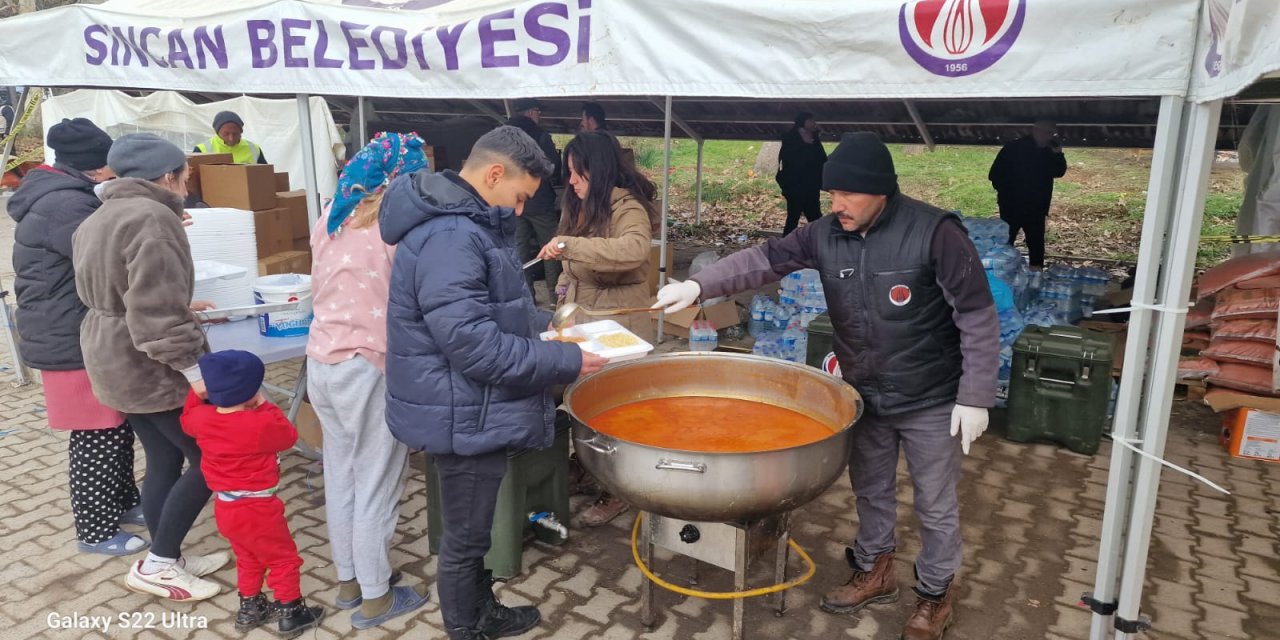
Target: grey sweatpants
x=364, y=469
x=933, y=460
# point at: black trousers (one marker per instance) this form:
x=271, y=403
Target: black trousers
x=807, y=203
x=1032, y=226
x=171, y=497
x=102, y=485
x=469, y=494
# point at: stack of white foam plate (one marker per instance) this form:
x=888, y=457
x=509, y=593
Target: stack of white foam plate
x=222, y=238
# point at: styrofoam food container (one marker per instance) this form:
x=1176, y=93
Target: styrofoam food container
x=594, y=330
x=211, y=270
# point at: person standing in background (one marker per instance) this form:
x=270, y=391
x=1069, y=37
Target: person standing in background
x=228, y=137
x=593, y=118
x=541, y=216
x=48, y=207
x=800, y=164
x=1023, y=175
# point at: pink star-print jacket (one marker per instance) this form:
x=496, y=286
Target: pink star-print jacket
x=350, y=277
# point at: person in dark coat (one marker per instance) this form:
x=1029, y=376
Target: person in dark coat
x=467, y=376
x=917, y=334
x=49, y=206
x=541, y=216
x=800, y=171
x=1023, y=175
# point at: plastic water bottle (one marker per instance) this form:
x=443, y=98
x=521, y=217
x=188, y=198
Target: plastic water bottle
x=756, y=325
x=702, y=336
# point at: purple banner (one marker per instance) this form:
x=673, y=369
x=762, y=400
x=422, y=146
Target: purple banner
x=543, y=35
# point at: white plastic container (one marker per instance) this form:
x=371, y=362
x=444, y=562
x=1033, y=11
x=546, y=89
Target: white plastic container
x=593, y=331
x=288, y=287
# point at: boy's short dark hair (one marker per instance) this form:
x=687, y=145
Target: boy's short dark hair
x=514, y=149
x=594, y=111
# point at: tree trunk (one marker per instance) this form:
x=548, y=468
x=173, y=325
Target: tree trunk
x=767, y=160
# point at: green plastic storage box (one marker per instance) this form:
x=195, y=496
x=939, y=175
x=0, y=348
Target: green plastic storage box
x=1060, y=388
x=820, y=353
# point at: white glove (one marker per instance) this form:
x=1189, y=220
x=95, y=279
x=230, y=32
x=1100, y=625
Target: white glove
x=969, y=423
x=678, y=295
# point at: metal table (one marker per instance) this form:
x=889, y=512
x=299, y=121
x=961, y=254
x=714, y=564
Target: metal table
x=243, y=335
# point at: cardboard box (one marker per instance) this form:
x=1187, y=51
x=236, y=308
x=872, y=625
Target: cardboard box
x=1220, y=400
x=251, y=187
x=194, y=161
x=296, y=203
x=308, y=425
x=287, y=262
x=654, y=260
x=722, y=314
x=302, y=244
x=273, y=231
x=1250, y=433
x=282, y=182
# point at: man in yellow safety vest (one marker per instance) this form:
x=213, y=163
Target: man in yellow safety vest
x=228, y=129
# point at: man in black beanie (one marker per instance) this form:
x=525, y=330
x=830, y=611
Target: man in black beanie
x=228, y=129
x=916, y=333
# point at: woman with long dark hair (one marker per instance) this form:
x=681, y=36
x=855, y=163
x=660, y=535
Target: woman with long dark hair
x=606, y=228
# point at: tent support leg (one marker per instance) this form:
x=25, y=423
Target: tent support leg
x=666, y=199
x=1156, y=227
x=362, y=122
x=697, y=207
x=309, y=158
x=1188, y=215
x=920, y=125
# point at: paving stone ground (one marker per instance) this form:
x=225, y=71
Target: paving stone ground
x=1031, y=517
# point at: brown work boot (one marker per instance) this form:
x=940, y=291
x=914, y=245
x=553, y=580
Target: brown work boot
x=877, y=586
x=605, y=509
x=931, y=619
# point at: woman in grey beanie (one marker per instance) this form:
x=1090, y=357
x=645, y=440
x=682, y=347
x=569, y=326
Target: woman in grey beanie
x=141, y=344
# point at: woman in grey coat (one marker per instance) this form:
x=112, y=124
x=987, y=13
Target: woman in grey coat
x=141, y=344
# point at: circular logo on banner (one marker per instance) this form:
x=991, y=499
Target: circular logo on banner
x=831, y=365
x=955, y=38
x=900, y=295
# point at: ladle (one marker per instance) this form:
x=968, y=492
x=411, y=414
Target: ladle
x=567, y=310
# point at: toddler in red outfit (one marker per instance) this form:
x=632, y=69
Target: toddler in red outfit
x=240, y=434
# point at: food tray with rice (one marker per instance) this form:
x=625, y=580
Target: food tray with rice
x=605, y=338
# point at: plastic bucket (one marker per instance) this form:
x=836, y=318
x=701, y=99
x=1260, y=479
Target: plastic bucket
x=287, y=287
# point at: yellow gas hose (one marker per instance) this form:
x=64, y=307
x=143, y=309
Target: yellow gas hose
x=720, y=595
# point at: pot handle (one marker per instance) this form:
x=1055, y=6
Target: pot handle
x=592, y=444
x=677, y=465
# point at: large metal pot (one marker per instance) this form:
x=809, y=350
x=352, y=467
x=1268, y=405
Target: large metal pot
x=714, y=487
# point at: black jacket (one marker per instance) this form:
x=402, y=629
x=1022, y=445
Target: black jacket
x=543, y=201
x=915, y=323
x=1023, y=177
x=48, y=207
x=800, y=164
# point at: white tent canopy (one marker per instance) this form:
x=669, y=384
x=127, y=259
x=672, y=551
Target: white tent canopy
x=271, y=124
x=1190, y=53
x=721, y=48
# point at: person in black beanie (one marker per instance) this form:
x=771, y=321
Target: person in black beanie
x=228, y=130
x=916, y=333
x=49, y=205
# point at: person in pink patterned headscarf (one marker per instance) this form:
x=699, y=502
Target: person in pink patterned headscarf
x=364, y=466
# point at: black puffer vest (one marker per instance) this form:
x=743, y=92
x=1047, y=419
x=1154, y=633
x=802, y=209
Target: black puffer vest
x=894, y=335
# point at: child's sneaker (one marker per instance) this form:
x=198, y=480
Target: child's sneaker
x=173, y=582
x=201, y=566
x=296, y=617
x=254, y=612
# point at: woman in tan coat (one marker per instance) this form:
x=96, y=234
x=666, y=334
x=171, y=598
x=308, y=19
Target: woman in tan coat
x=141, y=342
x=606, y=227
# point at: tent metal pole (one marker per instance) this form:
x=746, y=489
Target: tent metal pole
x=666, y=199
x=1157, y=219
x=1198, y=152
x=697, y=207
x=920, y=125
x=362, y=122
x=309, y=158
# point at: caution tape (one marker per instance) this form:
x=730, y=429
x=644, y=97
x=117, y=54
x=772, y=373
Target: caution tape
x=1234, y=239
x=27, y=157
x=32, y=103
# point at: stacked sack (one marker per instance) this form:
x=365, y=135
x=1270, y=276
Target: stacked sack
x=1244, y=295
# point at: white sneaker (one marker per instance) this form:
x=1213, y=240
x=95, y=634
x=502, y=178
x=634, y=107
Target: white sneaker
x=200, y=566
x=173, y=583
